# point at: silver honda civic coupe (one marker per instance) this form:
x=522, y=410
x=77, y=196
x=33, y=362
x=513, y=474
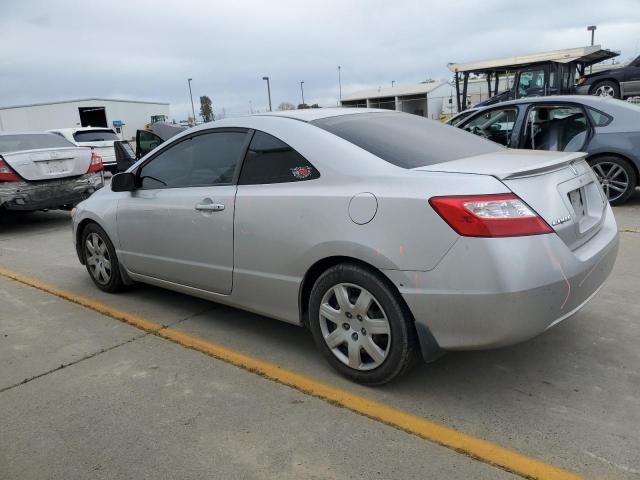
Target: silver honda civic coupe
x=387, y=235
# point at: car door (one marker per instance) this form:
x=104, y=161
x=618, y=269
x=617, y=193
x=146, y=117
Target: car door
x=177, y=225
x=631, y=84
x=496, y=124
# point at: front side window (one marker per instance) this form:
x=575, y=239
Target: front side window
x=270, y=160
x=530, y=82
x=495, y=125
x=562, y=128
x=207, y=159
x=147, y=141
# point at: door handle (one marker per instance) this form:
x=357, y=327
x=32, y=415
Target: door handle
x=210, y=207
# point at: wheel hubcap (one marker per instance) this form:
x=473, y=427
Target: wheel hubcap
x=363, y=342
x=613, y=178
x=97, y=258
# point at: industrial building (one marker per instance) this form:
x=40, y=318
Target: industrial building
x=124, y=116
x=427, y=99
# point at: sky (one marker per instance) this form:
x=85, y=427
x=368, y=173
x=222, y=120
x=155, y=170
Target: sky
x=146, y=50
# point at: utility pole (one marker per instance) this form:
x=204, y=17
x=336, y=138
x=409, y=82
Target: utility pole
x=392, y=82
x=193, y=110
x=268, y=91
x=340, y=85
x=592, y=29
x=302, y=90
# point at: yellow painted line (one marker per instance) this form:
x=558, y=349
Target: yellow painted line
x=476, y=448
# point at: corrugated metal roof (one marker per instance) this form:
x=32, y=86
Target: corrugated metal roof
x=396, y=91
x=587, y=55
x=83, y=100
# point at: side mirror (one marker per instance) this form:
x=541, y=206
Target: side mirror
x=123, y=182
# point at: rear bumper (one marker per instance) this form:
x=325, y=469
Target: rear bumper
x=488, y=293
x=48, y=193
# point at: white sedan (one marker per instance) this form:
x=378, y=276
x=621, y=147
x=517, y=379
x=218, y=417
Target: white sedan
x=99, y=139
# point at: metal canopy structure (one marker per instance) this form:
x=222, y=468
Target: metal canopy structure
x=580, y=58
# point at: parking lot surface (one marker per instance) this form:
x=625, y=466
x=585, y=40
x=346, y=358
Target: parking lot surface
x=106, y=400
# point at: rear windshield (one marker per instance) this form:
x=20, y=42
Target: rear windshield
x=31, y=141
x=407, y=141
x=95, y=136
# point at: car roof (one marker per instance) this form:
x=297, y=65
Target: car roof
x=591, y=100
x=78, y=129
x=311, y=114
x=25, y=133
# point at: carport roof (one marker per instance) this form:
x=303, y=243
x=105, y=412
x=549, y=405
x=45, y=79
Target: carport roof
x=399, y=91
x=585, y=55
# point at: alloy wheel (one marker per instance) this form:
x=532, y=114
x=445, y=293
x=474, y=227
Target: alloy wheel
x=605, y=91
x=355, y=327
x=613, y=178
x=97, y=258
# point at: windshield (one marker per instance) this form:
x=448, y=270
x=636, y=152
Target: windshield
x=31, y=141
x=407, y=141
x=95, y=135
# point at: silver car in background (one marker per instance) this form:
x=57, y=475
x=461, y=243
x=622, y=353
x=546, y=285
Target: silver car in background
x=386, y=234
x=43, y=171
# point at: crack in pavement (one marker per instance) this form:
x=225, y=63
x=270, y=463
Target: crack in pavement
x=65, y=365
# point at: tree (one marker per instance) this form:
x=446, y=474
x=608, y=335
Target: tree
x=286, y=106
x=206, y=109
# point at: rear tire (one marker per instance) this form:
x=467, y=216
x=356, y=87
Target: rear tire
x=100, y=259
x=606, y=88
x=617, y=177
x=363, y=330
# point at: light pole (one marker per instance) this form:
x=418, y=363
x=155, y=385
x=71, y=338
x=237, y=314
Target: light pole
x=340, y=84
x=268, y=91
x=592, y=29
x=392, y=82
x=302, y=90
x=193, y=110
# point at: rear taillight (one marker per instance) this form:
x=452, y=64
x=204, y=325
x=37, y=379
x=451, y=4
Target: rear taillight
x=96, y=163
x=6, y=173
x=503, y=215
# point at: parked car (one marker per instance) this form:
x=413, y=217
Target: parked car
x=385, y=233
x=617, y=82
x=43, y=171
x=98, y=138
x=146, y=140
x=606, y=128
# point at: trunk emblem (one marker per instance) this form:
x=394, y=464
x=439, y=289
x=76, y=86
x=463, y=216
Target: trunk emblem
x=561, y=220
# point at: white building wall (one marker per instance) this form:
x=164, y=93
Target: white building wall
x=66, y=115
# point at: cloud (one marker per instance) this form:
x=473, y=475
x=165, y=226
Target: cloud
x=147, y=49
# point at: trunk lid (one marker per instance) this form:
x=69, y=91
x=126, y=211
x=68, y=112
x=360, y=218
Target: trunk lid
x=49, y=163
x=560, y=187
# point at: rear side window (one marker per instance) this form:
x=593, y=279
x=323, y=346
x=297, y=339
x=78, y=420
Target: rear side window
x=32, y=141
x=407, y=141
x=270, y=160
x=95, y=135
x=599, y=119
x=202, y=160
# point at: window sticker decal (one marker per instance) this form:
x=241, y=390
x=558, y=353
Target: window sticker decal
x=301, y=172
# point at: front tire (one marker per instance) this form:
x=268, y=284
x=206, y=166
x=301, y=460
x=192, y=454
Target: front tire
x=617, y=177
x=100, y=259
x=606, y=88
x=361, y=326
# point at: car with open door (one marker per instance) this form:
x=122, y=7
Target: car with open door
x=41, y=171
x=608, y=130
x=146, y=141
x=387, y=235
